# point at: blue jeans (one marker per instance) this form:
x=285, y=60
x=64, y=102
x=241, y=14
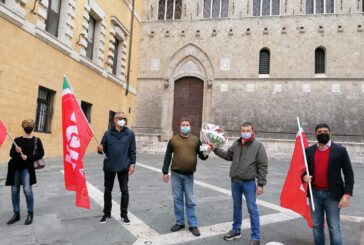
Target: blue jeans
x=324, y=204
x=248, y=188
x=182, y=191
x=22, y=177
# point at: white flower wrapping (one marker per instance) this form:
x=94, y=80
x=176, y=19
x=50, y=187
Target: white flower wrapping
x=212, y=135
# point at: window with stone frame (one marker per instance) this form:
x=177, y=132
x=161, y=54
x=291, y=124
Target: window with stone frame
x=53, y=16
x=264, y=60
x=320, y=6
x=86, y=109
x=320, y=60
x=44, y=111
x=119, y=50
x=266, y=7
x=215, y=9
x=90, y=37
x=169, y=9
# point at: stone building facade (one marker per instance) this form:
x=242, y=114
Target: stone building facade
x=265, y=61
x=89, y=41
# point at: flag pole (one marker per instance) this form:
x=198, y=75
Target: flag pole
x=306, y=165
x=93, y=132
x=21, y=153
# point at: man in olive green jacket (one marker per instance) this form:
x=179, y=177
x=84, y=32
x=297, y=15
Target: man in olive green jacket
x=248, y=173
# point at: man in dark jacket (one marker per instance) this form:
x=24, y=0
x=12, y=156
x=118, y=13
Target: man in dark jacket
x=326, y=160
x=185, y=148
x=118, y=144
x=249, y=165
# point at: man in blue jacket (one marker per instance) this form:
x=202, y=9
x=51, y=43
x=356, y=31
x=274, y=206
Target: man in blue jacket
x=118, y=144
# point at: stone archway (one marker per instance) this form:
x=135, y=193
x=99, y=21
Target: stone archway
x=188, y=102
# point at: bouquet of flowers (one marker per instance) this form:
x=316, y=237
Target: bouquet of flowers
x=212, y=135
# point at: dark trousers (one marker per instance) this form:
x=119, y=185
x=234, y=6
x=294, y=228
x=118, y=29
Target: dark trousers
x=123, y=178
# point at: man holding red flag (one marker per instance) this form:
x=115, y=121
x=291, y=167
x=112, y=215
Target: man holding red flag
x=294, y=193
x=76, y=137
x=326, y=163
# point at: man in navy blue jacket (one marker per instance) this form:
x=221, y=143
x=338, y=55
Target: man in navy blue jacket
x=327, y=162
x=118, y=144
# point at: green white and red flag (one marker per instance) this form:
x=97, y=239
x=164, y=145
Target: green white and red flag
x=77, y=134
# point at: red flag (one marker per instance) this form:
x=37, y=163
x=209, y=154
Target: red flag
x=294, y=192
x=3, y=133
x=76, y=137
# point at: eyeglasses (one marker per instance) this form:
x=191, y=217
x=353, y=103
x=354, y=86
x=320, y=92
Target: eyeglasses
x=120, y=118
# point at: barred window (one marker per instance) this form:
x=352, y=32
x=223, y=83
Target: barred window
x=44, y=110
x=52, y=22
x=86, y=108
x=111, y=119
x=320, y=6
x=215, y=9
x=264, y=60
x=90, y=37
x=266, y=7
x=169, y=9
x=320, y=60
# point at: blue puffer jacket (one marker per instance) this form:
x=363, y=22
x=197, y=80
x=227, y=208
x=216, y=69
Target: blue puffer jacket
x=119, y=148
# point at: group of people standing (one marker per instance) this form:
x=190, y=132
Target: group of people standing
x=326, y=160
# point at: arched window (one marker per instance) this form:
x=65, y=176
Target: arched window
x=264, y=60
x=320, y=60
x=266, y=7
x=320, y=6
x=215, y=9
x=169, y=9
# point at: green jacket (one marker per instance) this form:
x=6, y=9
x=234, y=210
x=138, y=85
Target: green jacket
x=249, y=161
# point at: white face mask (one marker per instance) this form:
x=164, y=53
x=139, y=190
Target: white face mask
x=121, y=123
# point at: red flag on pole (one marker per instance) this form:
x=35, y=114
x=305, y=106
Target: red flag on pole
x=294, y=192
x=3, y=133
x=76, y=137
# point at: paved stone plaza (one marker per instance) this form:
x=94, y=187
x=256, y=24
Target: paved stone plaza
x=58, y=221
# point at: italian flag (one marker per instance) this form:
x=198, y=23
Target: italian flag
x=77, y=134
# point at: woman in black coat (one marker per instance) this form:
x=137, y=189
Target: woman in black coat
x=21, y=170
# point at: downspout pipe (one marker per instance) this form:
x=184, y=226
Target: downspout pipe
x=130, y=47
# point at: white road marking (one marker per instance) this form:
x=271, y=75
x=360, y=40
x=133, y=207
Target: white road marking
x=137, y=227
x=212, y=230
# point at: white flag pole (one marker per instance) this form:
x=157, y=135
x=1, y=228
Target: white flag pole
x=21, y=153
x=306, y=165
x=93, y=132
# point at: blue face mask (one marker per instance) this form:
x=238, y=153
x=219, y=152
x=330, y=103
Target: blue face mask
x=185, y=130
x=246, y=135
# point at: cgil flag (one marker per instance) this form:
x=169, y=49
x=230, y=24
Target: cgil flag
x=3, y=133
x=294, y=192
x=76, y=137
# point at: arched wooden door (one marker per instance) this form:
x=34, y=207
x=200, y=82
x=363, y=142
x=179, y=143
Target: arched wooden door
x=188, y=102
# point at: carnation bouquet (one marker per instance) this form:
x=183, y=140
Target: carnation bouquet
x=212, y=135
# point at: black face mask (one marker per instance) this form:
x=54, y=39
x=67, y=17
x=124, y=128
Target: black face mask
x=28, y=130
x=323, y=138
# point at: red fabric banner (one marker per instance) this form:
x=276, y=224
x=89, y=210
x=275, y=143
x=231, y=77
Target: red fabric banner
x=76, y=137
x=294, y=192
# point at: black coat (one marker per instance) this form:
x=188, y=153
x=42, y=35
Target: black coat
x=339, y=161
x=17, y=163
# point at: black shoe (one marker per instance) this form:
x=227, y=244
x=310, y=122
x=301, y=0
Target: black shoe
x=29, y=219
x=254, y=242
x=15, y=218
x=195, y=231
x=177, y=227
x=126, y=219
x=104, y=219
x=232, y=235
